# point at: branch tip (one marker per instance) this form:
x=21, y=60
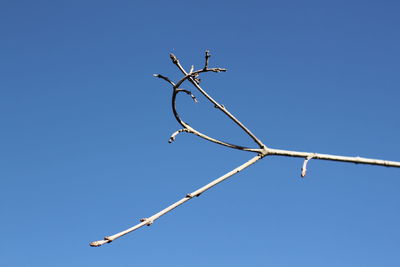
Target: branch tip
x=173, y=136
x=95, y=244
x=174, y=58
x=100, y=242
x=165, y=78
x=207, y=58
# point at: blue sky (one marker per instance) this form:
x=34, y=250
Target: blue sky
x=84, y=130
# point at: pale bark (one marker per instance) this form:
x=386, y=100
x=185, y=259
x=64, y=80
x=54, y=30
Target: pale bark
x=149, y=221
x=262, y=150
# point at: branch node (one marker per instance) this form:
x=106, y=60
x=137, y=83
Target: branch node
x=149, y=222
x=191, y=195
x=109, y=239
x=218, y=70
x=195, y=77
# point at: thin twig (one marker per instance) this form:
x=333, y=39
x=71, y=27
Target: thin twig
x=206, y=61
x=189, y=93
x=164, y=78
x=173, y=136
x=149, y=221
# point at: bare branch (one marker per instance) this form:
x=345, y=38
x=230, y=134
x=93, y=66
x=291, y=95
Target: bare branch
x=357, y=160
x=217, y=70
x=262, y=151
x=150, y=220
x=219, y=142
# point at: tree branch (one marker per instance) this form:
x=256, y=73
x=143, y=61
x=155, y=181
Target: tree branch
x=193, y=77
x=149, y=221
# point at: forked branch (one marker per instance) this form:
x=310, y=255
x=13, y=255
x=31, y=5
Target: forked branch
x=262, y=150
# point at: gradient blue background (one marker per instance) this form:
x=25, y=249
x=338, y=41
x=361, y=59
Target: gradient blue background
x=84, y=130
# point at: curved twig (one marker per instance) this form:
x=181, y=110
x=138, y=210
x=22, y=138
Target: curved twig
x=188, y=93
x=164, y=78
x=192, y=130
x=173, y=136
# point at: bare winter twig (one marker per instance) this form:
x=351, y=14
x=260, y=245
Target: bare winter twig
x=261, y=150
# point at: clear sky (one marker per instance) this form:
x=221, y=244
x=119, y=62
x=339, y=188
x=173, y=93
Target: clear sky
x=84, y=130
